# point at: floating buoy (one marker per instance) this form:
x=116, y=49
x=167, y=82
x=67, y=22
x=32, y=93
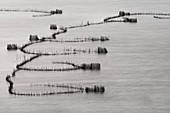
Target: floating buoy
x=131, y=20
x=101, y=50
x=53, y=27
x=57, y=11
x=33, y=38
x=12, y=47
x=95, y=89
x=92, y=66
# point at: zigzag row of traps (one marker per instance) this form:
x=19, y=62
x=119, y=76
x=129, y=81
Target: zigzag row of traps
x=91, y=66
x=86, y=39
x=106, y=20
x=66, y=89
x=83, y=66
x=58, y=11
x=67, y=51
x=34, y=39
x=79, y=89
x=46, y=13
x=121, y=14
x=155, y=15
x=134, y=20
x=103, y=38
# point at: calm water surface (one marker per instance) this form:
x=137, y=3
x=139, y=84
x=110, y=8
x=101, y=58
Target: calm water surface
x=135, y=72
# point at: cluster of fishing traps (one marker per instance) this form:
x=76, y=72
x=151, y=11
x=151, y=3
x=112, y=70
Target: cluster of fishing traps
x=70, y=89
x=34, y=39
x=42, y=12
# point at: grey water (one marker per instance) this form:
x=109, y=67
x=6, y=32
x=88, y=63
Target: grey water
x=135, y=72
